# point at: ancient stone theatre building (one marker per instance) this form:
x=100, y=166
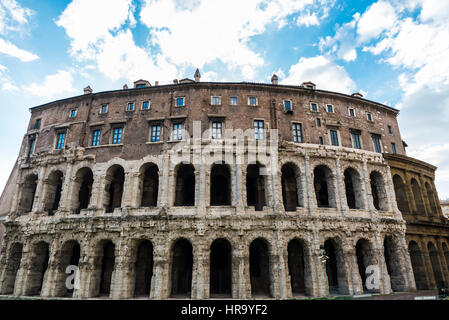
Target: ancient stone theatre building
x=228, y=190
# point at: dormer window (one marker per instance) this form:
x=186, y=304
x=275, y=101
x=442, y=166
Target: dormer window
x=288, y=107
x=140, y=85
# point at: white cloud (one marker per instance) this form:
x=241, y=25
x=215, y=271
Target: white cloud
x=307, y=19
x=13, y=16
x=10, y=49
x=377, y=18
x=323, y=72
x=8, y=86
x=53, y=85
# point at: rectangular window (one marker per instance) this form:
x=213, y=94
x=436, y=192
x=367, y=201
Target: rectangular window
x=321, y=140
x=177, y=131
x=60, y=142
x=377, y=144
x=156, y=133
x=393, y=147
x=330, y=108
x=117, y=135
x=314, y=107
x=130, y=106
x=356, y=140
x=234, y=101
x=140, y=86
x=369, y=116
x=288, y=105
x=37, y=124
x=259, y=130
x=96, y=138
x=104, y=108
x=32, y=143
x=252, y=101
x=73, y=113
x=390, y=129
x=180, y=102
x=297, y=132
x=351, y=112
x=145, y=105
x=318, y=122
x=215, y=100
x=334, y=137
x=217, y=127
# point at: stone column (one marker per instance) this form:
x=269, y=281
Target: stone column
x=53, y=273
x=241, y=264
x=240, y=176
x=200, y=272
x=96, y=200
x=123, y=280
x=160, y=282
x=428, y=267
x=309, y=189
x=279, y=258
x=391, y=195
x=64, y=203
x=355, y=284
x=368, y=194
x=25, y=264
x=406, y=264
x=384, y=277
x=339, y=189
x=128, y=189
x=39, y=194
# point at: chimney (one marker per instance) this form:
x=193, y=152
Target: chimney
x=156, y=83
x=197, y=75
x=88, y=90
x=274, y=79
x=125, y=87
x=357, y=95
x=175, y=81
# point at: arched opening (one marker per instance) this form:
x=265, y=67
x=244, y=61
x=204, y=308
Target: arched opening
x=417, y=195
x=378, y=191
x=28, y=193
x=296, y=266
x=353, y=187
x=12, y=266
x=391, y=255
x=416, y=257
x=143, y=269
x=53, y=193
x=401, y=196
x=291, y=187
x=220, y=268
x=185, y=185
x=107, y=267
x=39, y=264
x=431, y=196
x=446, y=255
x=435, y=263
x=255, y=186
x=365, y=258
x=324, y=187
x=259, y=268
x=115, y=179
x=182, y=267
x=149, y=185
x=335, y=268
x=70, y=256
x=220, y=185
x=82, y=189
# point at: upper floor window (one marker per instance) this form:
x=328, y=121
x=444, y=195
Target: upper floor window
x=390, y=129
x=130, y=106
x=369, y=116
x=321, y=140
x=356, y=140
x=156, y=133
x=180, y=102
x=377, y=143
x=96, y=134
x=234, y=101
x=215, y=100
x=330, y=108
x=60, y=141
x=393, y=148
x=217, y=130
x=37, y=124
x=117, y=135
x=288, y=105
x=32, y=143
x=334, y=137
x=318, y=122
x=104, y=108
x=297, y=132
x=177, y=131
x=73, y=113
x=259, y=130
x=141, y=86
x=314, y=107
x=146, y=105
x=252, y=101
x=351, y=112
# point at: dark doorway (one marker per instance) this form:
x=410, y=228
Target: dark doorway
x=365, y=259
x=323, y=187
x=143, y=269
x=83, y=189
x=331, y=266
x=115, y=180
x=259, y=267
x=353, y=188
x=220, y=269
x=296, y=266
x=53, y=193
x=220, y=185
x=12, y=266
x=185, y=185
x=107, y=268
x=150, y=185
x=255, y=187
x=289, y=181
x=182, y=267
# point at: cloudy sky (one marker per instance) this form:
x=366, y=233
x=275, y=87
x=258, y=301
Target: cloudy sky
x=393, y=51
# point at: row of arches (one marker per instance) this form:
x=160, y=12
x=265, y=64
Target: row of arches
x=220, y=188
x=221, y=266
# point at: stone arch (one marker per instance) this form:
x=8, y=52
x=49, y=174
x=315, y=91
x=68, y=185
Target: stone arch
x=335, y=267
x=220, y=268
x=53, y=185
x=220, y=185
x=378, y=191
x=12, y=266
x=416, y=257
x=260, y=268
x=143, y=268
x=256, y=183
x=417, y=195
x=401, y=195
x=185, y=185
x=392, y=261
x=104, y=266
x=38, y=267
x=445, y=248
x=28, y=193
x=324, y=187
x=181, y=268
x=353, y=188
x=69, y=256
x=149, y=185
x=299, y=267
x=291, y=186
x=435, y=264
x=82, y=189
x=432, y=201
x=114, y=183
x=365, y=258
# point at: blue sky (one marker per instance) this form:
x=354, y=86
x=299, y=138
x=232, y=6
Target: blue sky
x=394, y=52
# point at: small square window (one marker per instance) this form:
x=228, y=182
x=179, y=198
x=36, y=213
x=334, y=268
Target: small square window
x=288, y=106
x=180, y=102
x=146, y=105
x=104, y=108
x=73, y=113
x=252, y=101
x=369, y=116
x=314, y=107
x=215, y=100
x=60, y=141
x=351, y=112
x=117, y=135
x=130, y=106
x=156, y=133
x=330, y=108
x=233, y=101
